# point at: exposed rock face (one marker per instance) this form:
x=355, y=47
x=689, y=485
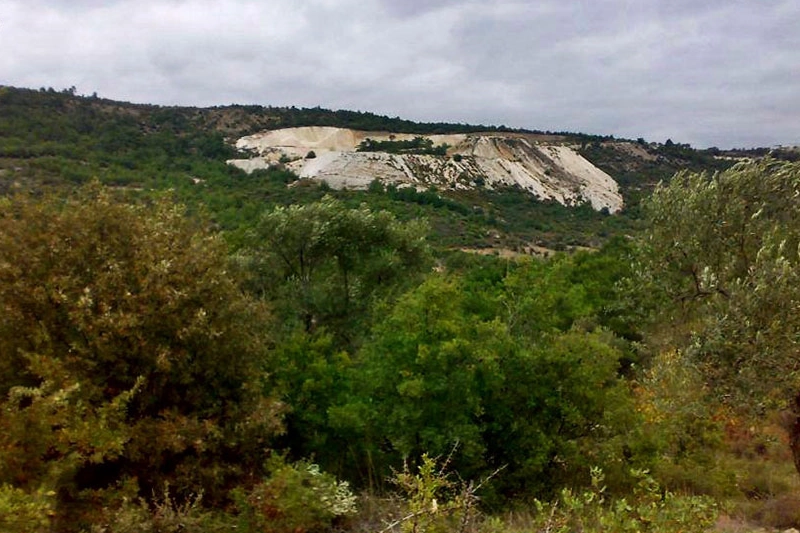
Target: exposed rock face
x=548, y=171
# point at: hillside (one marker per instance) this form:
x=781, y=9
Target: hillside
x=346, y=158
x=490, y=187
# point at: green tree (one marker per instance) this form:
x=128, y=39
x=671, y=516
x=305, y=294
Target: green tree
x=127, y=351
x=720, y=263
x=435, y=375
x=541, y=297
x=419, y=383
x=311, y=374
x=562, y=408
x=324, y=264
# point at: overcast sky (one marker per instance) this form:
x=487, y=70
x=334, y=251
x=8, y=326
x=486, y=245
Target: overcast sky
x=720, y=73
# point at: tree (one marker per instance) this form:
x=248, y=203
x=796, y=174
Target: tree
x=434, y=375
x=580, y=288
x=419, y=383
x=323, y=263
x=128, y=354
x=720, y=260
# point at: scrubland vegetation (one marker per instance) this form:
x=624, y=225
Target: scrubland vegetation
x=228, y=354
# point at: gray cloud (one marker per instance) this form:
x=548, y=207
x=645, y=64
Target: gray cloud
x=723, y=73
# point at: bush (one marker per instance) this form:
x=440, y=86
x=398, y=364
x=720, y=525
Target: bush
x=681, y=427
x=435, y=502
x=296, y=498
x=650, y=509
x=128, y=352
x=164, y=515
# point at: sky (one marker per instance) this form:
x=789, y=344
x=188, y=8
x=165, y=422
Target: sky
x=722, y=73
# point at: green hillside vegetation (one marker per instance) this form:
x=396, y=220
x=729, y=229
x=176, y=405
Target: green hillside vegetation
x=417, y=145
x=58, y=139
x=184, y=347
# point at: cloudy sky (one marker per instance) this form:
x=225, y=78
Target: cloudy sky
x=708, y=72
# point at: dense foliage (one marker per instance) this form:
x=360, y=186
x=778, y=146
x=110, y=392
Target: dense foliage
x=130, y=348
x=324, y=264
x=130, y=356
x=254, y=360
x=721, y=256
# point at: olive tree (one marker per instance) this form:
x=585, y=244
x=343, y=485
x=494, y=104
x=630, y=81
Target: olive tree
x=720, y=258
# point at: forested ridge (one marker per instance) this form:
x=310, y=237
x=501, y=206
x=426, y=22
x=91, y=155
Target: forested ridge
x=184, y=347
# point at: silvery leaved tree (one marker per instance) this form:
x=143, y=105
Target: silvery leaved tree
x=720, y=262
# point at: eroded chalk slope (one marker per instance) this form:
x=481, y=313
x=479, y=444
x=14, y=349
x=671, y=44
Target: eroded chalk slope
x=548, y=171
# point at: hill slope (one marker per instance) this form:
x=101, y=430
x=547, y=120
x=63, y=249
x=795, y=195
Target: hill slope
x=58, y=139
x=346, y=158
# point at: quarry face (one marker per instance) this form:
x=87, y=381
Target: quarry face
x=548, y=171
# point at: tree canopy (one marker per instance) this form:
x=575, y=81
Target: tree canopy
x=129, y=353
x=325, y=263
x=721, y=257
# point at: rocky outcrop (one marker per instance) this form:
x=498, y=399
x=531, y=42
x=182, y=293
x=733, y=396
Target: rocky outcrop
x=548, y=171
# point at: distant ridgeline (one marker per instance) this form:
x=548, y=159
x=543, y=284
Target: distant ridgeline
x=240, y=119
x=57, y=138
